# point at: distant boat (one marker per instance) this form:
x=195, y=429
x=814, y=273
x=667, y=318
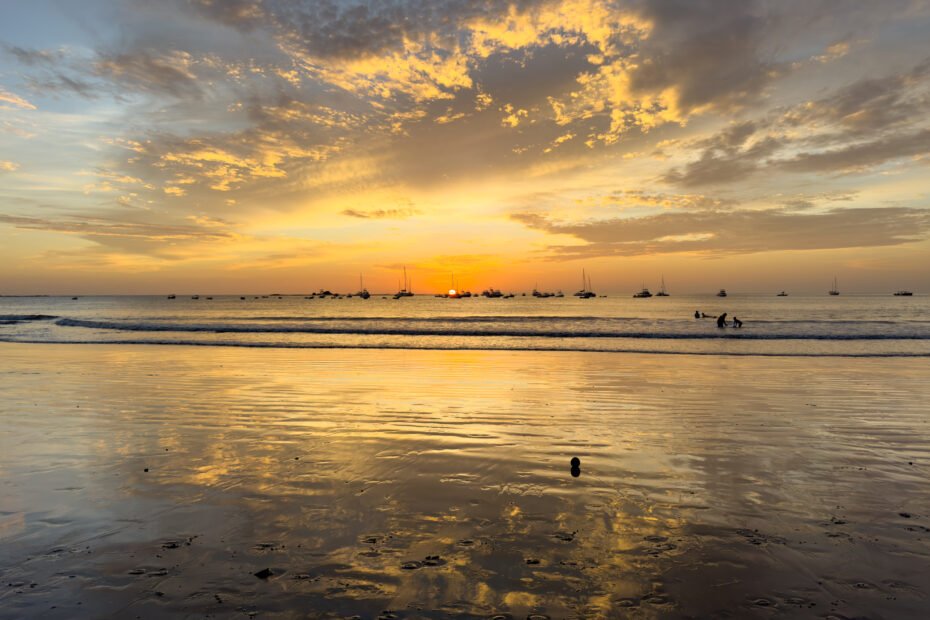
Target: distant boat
x=195, y=296
x=662, y=292
x=544, y=294
x=644, y=293
x=453, y=289
x=75, y=298
x=172, y=296
x=782, y=294
x=363, y=292
x=834, y=290
x=722, y=292
x=540, y=294
x=406, y=291
x=585, y=292
x=903, y=293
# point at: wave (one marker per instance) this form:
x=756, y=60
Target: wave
x=745, y=334
x=19, y=318
x=418, y=347
x=534, y=318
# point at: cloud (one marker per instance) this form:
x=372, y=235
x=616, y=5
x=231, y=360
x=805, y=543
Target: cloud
x=169, y=72
x=735, y=232
x=14, y=99
x=636, y=198
x=287, y=109
x=728, y=156
x=382, y=214
x=8, y=166
x=34, y=57
x=709, y=54
x=869, y=105
x=861, y=156
x=99, y=226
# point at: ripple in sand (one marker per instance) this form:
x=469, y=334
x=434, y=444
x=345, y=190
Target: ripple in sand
x=656, y=599
x=755, y=537
x=662, y=548
x=433, y=560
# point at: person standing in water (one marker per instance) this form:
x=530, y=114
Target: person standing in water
x=722, y=320
x=697, y=314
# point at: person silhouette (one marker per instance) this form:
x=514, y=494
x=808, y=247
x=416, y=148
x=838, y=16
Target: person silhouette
x=697, y=314
x=722, y=320
x=737, y=322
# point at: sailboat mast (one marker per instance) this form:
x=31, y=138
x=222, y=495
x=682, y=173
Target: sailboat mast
x=584, y=280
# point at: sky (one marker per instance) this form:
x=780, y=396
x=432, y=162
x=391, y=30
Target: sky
x=226, y=146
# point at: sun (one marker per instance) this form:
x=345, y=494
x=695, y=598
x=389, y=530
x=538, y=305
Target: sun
x=452, y=291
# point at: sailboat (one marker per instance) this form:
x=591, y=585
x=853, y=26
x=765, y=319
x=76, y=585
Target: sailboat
x=406, y=290
x=662, y=292
x=453, y=290
x=585, y=292
x=834, y=290
x=362, y=292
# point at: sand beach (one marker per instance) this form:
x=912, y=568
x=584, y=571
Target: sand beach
x=146, y=480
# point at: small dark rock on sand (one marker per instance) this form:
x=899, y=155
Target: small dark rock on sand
x=264, y=573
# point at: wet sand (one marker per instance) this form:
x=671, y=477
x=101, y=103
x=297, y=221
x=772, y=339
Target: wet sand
x=143, y=481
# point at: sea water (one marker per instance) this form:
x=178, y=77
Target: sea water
x=820, y=325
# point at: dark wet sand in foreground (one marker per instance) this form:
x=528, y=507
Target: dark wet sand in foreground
x=143, y=481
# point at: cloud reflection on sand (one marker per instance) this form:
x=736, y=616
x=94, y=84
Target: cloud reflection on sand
x=437, y=483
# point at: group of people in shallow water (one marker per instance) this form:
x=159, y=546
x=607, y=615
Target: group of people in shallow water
x=721, y=320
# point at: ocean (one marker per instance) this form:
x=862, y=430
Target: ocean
x=821, y=325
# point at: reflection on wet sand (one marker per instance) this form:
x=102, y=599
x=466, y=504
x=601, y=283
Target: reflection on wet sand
x=139, y=481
